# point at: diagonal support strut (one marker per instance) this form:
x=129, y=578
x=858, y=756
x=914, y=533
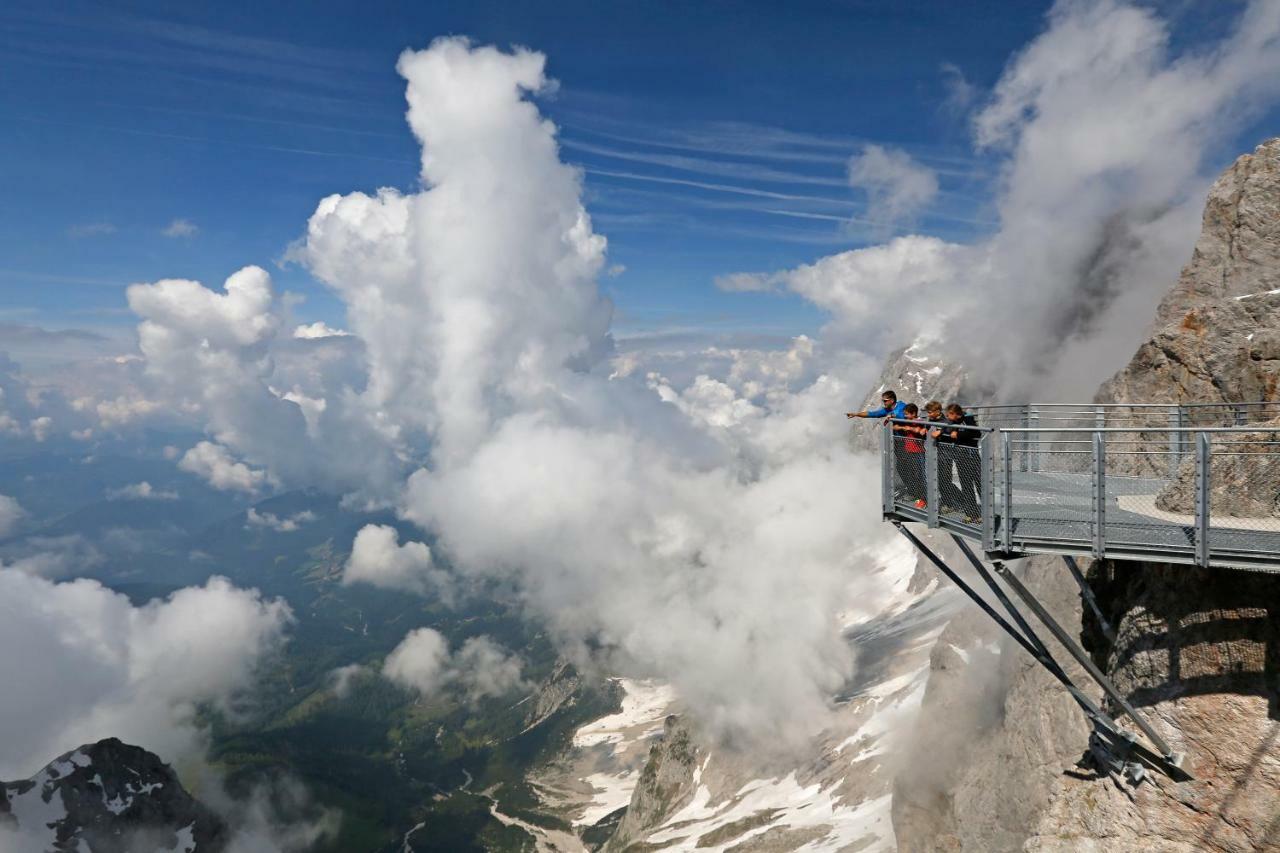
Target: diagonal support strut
x=1082, y=658
x=1106, y=730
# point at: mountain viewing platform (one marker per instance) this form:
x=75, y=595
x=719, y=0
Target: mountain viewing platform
x=1194, y=484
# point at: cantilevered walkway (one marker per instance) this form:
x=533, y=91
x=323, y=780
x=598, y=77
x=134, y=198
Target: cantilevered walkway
x=1193, y=484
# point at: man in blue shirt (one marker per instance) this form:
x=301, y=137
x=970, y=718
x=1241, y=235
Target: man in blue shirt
x=891, y=408
x=903, y=462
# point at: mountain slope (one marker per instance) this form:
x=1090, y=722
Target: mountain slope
x=106, y=797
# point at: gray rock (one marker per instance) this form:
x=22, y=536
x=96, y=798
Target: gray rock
x=666, y=785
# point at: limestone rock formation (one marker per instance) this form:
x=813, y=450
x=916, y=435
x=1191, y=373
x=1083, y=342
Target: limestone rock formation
x=667, y=783
x=1216, y=337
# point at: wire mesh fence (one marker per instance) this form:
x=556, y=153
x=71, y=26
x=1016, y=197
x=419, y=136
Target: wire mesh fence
x=1203, y=495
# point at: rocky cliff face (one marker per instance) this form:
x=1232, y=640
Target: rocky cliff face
x=106, y=797
x=1194, y=650
x=1216, y=335
x=668, y=782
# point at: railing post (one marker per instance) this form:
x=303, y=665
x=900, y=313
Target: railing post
x=1033, y=459
x=1024, y=462
x=1006, y=515
x=931, y=490
x=1175, y=439
x=1204, y=459
x=1099, y=494
x=886, y=471
x=987, y=485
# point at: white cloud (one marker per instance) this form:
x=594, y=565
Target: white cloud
x=422, y=662
x=961, y=94
x=94, y=666
x=52, y=557
x=378, y=558
x=41, y=428
x=487, y=669
x=1105, y=134
x=318, y=329
x=342, y=678
x=143, y=491
x=271, y=521
x=11, y=514
x=180, y=228
x=118, y=411
x=705, y=531
x=897, y=186
x=214, y=463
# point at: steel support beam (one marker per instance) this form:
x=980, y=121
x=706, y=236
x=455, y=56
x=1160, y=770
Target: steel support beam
x=1106, y=730
x=1086, y=592
x=1082, y=658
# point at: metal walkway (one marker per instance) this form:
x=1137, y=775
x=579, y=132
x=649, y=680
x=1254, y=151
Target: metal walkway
x=1189, y=484
x=1129, y=487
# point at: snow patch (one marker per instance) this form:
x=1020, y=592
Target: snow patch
x=645, y=704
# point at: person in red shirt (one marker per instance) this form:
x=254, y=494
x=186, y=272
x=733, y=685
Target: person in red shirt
x=911, y=437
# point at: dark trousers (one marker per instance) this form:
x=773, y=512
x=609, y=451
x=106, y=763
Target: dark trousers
x=965, y=462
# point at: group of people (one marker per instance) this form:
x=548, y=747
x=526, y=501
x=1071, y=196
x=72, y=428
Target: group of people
x=956, y=434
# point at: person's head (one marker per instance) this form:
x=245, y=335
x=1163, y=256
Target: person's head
x=911, y=410
x=889, y=398
x=955, y=412
x=933, y=409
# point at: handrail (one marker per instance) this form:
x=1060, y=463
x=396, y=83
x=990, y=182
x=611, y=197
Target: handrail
x=1156, y=429
x=1171, y=492
x=1094, y=406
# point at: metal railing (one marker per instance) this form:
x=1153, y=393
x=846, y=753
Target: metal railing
x=1205, y=495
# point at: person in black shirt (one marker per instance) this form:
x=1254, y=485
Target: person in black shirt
x=958, y=442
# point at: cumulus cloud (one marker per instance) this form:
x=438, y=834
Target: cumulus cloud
x=94, y=666
x=143, y=491
x=116, y=411
x=180, y=228
x=487, y=669
x=214, y=463
x=1105, y=133
x=342, y=678
x=11, y=514
x=378, y=558
x=422, y=662
x=271, y=521
x=897, y=186
x=318, y=329
x=706, y=532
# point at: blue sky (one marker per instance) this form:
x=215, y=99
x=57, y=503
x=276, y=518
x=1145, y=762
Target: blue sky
x=714, y=136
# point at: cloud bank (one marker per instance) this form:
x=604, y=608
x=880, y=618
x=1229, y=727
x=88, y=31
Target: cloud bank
x=423, y=663
x=95, y=666
x=706, y=526
x=1103, y=132
x=708, y=533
